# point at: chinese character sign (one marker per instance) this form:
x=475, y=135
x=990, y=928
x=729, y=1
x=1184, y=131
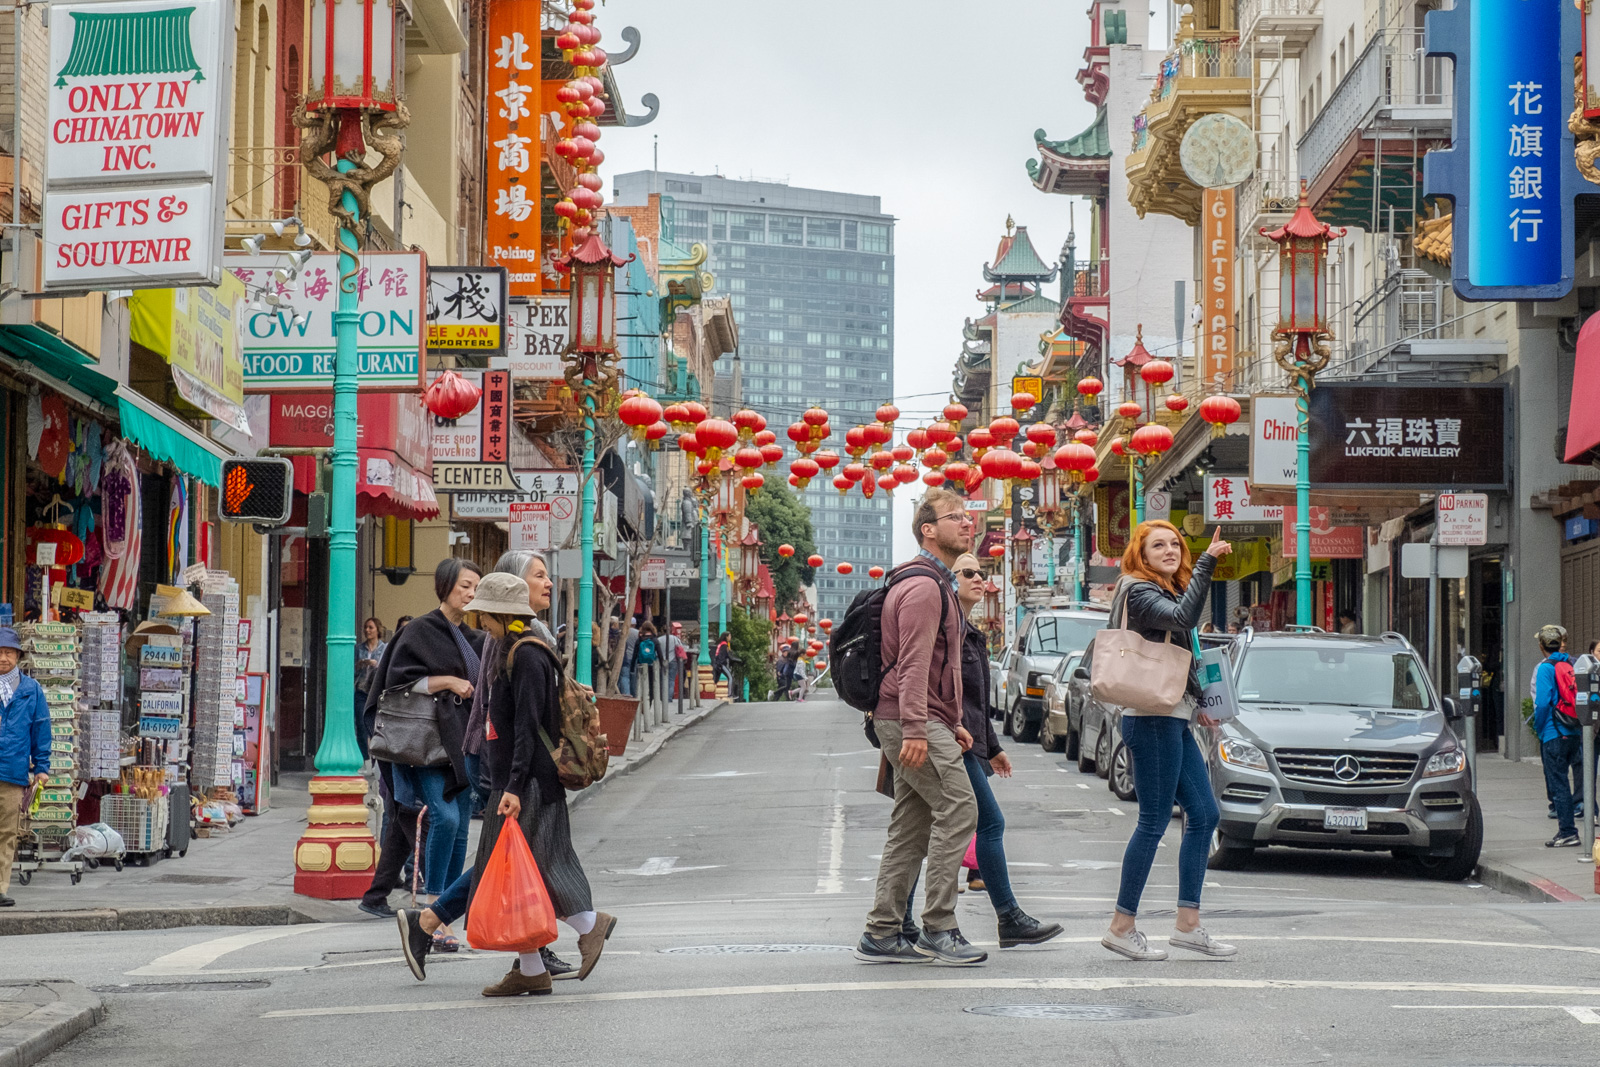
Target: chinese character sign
x=512, y=125
x=1422, y=436
x=496, y=416
x=466, y=309
x=1510, y=169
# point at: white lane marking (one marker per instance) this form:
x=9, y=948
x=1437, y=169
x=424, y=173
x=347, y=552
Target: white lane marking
x=723, y=774
x=656, y=865
x=832, y=880
x=192, y=960
x=1587, y=1016
x=935, y=984
x=1092, y=865
x=1018, y=863
x=857, y=752
x=1082, y=786
x=1116, y=810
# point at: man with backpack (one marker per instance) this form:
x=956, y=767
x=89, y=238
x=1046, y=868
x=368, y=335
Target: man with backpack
x=917, y=720
x=1555, y=721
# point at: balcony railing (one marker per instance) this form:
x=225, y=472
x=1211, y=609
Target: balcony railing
x=1392, y=73
x=1089, y=282
x=1407, y=306
x=263, y=182
x=1252, y=10
x=1200, y=57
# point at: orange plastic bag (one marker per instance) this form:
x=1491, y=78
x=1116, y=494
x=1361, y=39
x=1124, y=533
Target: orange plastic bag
x=511, y=911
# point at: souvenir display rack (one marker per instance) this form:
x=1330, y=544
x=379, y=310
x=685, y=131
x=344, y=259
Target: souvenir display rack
x=51, y=651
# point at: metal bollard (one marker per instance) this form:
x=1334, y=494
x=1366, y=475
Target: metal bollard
x=1587, y=670
x=1469, y=682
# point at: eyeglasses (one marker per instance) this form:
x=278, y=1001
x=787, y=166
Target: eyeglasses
x=970, y=572
x=960, y=516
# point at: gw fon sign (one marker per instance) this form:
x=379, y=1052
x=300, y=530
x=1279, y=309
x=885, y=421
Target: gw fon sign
x=291, y=345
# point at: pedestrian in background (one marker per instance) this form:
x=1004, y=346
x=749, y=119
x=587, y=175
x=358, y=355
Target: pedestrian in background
x=646, y=654
x=675, y=660
x=802, y=680
x=24, y=748
x=368, y=652
x=524, y=681
x=1163, y=593
x=1555, y=689
x=1348, y=623
x=436, y=653
x=918, y=722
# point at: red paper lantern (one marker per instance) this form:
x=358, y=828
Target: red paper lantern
x=752, y=481
x=814, y=417
x=1086, y=437
x=804, y=469
x=1091, y=475
x=1074, y=458
x=678, y=416
x=1000, y=464
x=747, y=422
x=1090, y=387
x=798, y=432
x=785, y=550
x=1177, y=402
x=1030, y=450
x=934, y=457
x=812, y=560
x=771, y=454
x=855, y=471
x=826, y=624
x=845, y=567
x=696, y=412
x=1220, y=411
x=1156, y=372
x=1004, y=429
x=902, y=453
x=887, y=413
x=957, y=472
x=1118, y=447
x=764, y=437
x=827, y=459
x=451, y=396
x=997, y=550
x=934, y=478
x=716, y=434
x=748, y=458
x=1129, y=409
x=841, y=483
x=1151, y=439
x=905, y=474
x=881, y=461
x=656, y=431
x=1042, y=434
x=980, y=439
x=954, y=412
x=874, y=572
x=855, y=440
x=1028, y=470
x=637, y=411
x=918, y=439
x=1021, y=401
x=939, y=433
x=688, y=442
x=800, y=617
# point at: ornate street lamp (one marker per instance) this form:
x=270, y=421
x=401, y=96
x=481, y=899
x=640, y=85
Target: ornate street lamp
x=1302, y=344
x=1047, y=513
x=590, y=366
x=750, y=561
x=350, y=106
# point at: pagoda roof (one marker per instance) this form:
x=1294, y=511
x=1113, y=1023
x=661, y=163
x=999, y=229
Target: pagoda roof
x=1077, y=166
x=1093, y=143
x=1140, y=355
x=1033, y=302
x=1013, y=291
x=1016, y=260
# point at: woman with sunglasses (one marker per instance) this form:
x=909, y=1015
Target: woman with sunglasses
x=983, y=759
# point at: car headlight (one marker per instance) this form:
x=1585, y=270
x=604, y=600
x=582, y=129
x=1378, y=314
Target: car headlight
x=1241, y=754
x=1452, y=761
x=1035, y=686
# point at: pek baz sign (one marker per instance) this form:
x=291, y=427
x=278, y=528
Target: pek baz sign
x=136, y=132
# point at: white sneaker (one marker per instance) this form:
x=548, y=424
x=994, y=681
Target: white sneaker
x=1132, y=945
x=1197, y=940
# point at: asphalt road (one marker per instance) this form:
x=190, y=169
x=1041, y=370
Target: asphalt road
x=759, y=829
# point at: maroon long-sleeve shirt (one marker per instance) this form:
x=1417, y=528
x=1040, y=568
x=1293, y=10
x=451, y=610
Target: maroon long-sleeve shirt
x=923, y=679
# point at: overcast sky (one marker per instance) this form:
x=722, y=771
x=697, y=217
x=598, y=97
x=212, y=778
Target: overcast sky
x=929, y=104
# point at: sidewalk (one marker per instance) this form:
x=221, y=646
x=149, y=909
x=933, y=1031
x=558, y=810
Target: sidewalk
x=244, y=878
x=36, y=1018
x=1515, y=828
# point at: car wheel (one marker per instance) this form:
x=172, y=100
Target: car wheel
x=1228, y=854
x=1460, y=864
x=1048, y=739
x=1005, y=724
x=1085, y=757
x=1102, y=753
x=1072, y=746
x=1121, y=777
x=1023, y=730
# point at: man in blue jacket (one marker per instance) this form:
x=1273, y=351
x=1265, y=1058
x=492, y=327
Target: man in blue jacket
x=24, y=748
x=1560, y=747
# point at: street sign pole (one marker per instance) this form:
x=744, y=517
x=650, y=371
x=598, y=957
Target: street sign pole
x=1587, y=669
x=1433, y=604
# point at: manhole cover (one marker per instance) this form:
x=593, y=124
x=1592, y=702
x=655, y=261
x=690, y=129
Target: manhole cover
x=1078, y=1013
x=195, y=879
x=181, y=987
x=748, y=950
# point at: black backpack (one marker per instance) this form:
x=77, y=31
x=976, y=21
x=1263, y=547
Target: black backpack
x=855, y=649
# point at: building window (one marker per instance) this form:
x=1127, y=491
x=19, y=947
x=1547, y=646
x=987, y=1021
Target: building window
x=788, y=229
x=830, y=353
x=813, y=338
x=775, y=335
x=832, y=372
x=874, y=238
x=849, y=235
x=822, y=233
x=743, y=226
x=675, y=186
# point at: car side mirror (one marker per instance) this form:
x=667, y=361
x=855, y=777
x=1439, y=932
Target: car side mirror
x=1081, y=673
x=1022, y=643
x=1451, y=711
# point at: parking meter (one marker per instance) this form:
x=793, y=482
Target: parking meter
x=1587, y=670
x=1469, y=698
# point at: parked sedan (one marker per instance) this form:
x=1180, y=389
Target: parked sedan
x=1056, y=731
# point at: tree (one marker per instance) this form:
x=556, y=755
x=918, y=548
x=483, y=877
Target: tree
x=783, y=519
x=750, y=640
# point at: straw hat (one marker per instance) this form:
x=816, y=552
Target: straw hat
x=179, y=601
x=141, y=634
x=501, y=594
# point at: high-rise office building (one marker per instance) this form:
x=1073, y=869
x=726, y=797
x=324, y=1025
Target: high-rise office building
x=811, y=277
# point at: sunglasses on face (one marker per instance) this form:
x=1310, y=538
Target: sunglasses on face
x=969, y=572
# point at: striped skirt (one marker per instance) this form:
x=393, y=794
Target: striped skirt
x=549, y=835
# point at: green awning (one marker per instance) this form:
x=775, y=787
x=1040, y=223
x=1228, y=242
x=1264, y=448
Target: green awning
x=62, y=361
x=166, y=437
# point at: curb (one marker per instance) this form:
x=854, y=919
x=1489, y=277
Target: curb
x=1525, y=884
x=105, y=920
x=649, y=753
x=48, y=1027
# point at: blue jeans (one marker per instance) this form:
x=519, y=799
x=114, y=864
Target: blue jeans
x=1561, y=756
x=991, y=844
x=452, y=903
x=480, y=795
x=448, y=821
x=1167, y=765
x=625, y=679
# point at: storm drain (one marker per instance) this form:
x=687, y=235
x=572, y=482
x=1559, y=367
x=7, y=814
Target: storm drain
x=749, y=950
x=1077, y=1013
x=195, y=879
x=182, y=987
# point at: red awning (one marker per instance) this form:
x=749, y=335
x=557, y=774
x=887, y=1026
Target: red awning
x=1583, y=418
x=386, y=485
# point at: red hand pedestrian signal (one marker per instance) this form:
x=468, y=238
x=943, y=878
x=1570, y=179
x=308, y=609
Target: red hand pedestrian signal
x=258, y=490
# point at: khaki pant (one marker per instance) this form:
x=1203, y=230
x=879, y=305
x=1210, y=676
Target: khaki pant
x=935, y=814
x=10, y=827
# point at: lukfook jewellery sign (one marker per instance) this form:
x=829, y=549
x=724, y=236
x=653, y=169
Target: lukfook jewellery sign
x=135, y=174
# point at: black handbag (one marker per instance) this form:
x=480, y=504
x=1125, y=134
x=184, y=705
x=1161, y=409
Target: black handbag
x=407, y=728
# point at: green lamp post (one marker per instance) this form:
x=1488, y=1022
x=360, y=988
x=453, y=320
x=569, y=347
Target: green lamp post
x=1302, y=344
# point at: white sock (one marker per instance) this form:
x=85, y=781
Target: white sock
x=582, y=922
x=532, y=963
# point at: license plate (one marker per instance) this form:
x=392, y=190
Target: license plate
x=1345, y=818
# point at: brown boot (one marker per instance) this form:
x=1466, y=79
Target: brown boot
x=592, y=943
x=517, y=984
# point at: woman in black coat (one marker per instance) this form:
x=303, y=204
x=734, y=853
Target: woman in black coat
x=436, y=653
x=523, y=723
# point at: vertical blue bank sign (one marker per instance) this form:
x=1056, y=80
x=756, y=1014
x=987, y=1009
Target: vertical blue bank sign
x=1510, y=170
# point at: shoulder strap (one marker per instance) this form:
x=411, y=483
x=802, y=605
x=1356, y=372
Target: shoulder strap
x=544, y=736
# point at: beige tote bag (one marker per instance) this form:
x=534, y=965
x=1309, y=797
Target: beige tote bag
x=1130, y=672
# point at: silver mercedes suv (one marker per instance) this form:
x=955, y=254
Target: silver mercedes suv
x=1341, y=742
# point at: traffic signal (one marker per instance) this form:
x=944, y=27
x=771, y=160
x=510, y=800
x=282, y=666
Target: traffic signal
x=259, y=490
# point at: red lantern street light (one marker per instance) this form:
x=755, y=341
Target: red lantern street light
x=592, y=325
x=1302, y=267
x=352, y=58
x=750, y=557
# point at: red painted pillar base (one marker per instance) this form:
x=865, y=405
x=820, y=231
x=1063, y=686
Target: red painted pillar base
x=336, y=855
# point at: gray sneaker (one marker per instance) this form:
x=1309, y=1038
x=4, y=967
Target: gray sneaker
x=890, y=949
x=1197, y=940
x=948, y=946
x=1133, y=945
